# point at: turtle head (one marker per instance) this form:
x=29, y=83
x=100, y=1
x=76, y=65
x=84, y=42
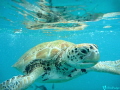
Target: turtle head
x=83, y=55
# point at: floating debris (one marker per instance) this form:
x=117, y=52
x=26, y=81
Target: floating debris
x=107, y=26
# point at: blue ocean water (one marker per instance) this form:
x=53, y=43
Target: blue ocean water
x=14, y=45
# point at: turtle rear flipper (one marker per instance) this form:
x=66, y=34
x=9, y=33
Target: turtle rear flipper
x=112, y=67
x=21, y=82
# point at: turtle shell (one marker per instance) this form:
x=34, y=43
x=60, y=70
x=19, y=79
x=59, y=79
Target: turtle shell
x=45, y=51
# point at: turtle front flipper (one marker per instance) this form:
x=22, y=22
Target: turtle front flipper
x=17, y=83
x=112, y=67
x=21, y=82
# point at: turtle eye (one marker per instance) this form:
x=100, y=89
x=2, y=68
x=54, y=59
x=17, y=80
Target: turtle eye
x=84, y=51
x=91, y=47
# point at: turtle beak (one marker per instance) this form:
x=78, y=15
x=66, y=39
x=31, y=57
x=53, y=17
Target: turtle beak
x=92, y=57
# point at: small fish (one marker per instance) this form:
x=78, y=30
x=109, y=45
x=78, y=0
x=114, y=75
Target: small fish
x=42, y=87
x=53, y=86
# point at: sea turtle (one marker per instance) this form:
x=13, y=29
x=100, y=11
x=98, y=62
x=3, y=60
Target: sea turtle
x=58, y=61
